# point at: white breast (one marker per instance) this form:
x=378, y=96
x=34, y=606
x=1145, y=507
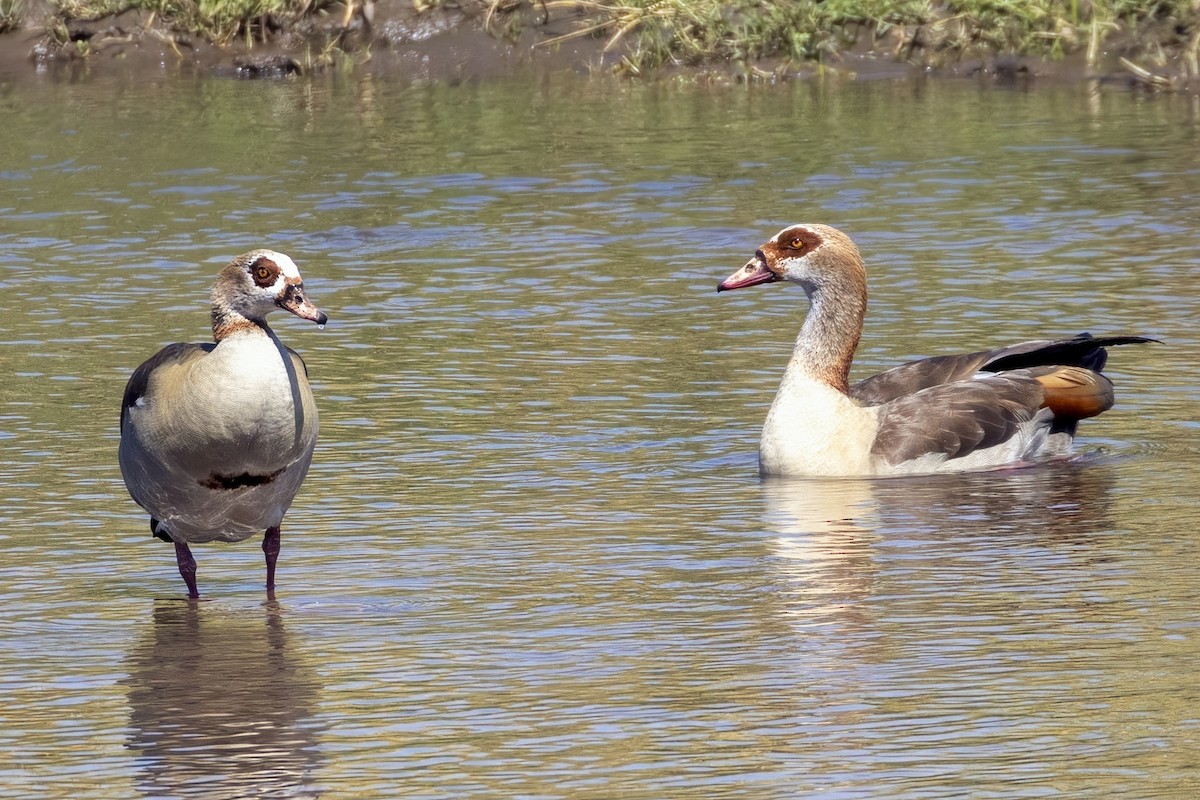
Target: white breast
x=813, y=429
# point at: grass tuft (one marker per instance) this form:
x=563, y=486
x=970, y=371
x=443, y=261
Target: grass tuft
x=10, y=15
x=654, y=33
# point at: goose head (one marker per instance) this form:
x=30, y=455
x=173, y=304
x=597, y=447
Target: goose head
x=810, y=255
x=255, y=284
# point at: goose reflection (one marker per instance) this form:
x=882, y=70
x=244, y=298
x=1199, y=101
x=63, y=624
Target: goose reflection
x=835, y=539
x=220, y=706
x=1052, y=504
x=825, y=531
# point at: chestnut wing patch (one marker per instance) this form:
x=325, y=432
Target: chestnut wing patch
x=1074, y=393
x=956, y=419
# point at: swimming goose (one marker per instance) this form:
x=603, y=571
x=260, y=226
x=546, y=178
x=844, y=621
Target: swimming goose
x=217, y=438
x=993, y=408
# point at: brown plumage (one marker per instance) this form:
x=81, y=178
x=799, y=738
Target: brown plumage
x=1074, y=393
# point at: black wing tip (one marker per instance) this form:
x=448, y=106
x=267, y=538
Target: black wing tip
x=1114, y=341
x=1082, y=350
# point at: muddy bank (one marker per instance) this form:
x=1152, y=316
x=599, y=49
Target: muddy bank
x=392, y=39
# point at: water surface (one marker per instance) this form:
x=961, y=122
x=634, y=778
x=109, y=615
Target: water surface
x=533, y=557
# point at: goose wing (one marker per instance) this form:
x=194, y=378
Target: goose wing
x=957, y=419
x=1084, y=350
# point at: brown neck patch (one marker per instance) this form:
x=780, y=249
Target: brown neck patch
x=225, y=325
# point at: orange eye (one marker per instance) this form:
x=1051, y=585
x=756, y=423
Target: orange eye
x=263, y=272
x=797, y=244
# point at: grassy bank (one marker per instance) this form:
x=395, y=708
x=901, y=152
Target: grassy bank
x=648, y=34
x=658, y=32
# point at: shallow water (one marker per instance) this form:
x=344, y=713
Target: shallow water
x=533, y=557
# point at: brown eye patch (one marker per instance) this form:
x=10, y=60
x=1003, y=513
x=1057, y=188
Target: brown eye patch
x=264, y=271
x=800, y=239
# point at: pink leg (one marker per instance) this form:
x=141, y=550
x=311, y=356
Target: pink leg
x=187, y=568
x=271, y=549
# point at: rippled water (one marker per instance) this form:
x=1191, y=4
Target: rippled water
x=533, y=557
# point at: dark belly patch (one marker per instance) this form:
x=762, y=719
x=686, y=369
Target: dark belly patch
x=219, y=481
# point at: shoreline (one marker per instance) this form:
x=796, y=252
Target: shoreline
x=454, y=45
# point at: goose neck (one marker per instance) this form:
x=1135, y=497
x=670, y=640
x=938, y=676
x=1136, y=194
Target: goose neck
x=829, y=336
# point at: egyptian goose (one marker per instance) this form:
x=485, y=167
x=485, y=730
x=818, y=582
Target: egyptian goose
x=217, y=438
x=995, y=408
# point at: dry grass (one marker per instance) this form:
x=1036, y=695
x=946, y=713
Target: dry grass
x=653, y=33
x=649, y=34
x=10, y=15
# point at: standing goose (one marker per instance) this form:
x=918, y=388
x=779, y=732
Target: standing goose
x=217, y=438
x=995, y=408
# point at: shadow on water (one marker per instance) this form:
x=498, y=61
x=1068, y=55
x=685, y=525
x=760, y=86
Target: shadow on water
x=220, y=706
